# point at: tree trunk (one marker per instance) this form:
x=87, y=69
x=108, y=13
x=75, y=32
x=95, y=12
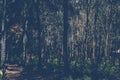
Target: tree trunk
x=65, y=37
x=86, y=35
x=3, y=40
x=24, y=42
x=40, y=28
x=94, y=31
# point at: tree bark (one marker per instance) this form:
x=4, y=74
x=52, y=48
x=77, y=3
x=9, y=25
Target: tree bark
x=65, y=37
x=94, y=31
x=25, y=42
x=3, y=39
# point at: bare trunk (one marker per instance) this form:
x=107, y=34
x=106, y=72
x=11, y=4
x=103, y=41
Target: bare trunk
x=94, y=31
x=3, y=40
x=3, y=48
x=93, y=48
x=87, y=26
x=106, y=45
x=65, y=37
x=25, y=41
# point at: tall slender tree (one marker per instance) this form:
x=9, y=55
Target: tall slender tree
x=65, y=36
x=40, y=28
x=94, y=30
x=3, y=40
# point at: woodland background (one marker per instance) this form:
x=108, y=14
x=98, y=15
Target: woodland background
x=62, y=39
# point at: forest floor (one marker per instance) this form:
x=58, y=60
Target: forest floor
x=16, y=72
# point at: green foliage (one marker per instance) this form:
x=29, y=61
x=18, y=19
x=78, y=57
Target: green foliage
x=108, y=68
x=86, y=78
x=105, y=70
x=73, y=63
x=55, y=61
x=68, y=78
